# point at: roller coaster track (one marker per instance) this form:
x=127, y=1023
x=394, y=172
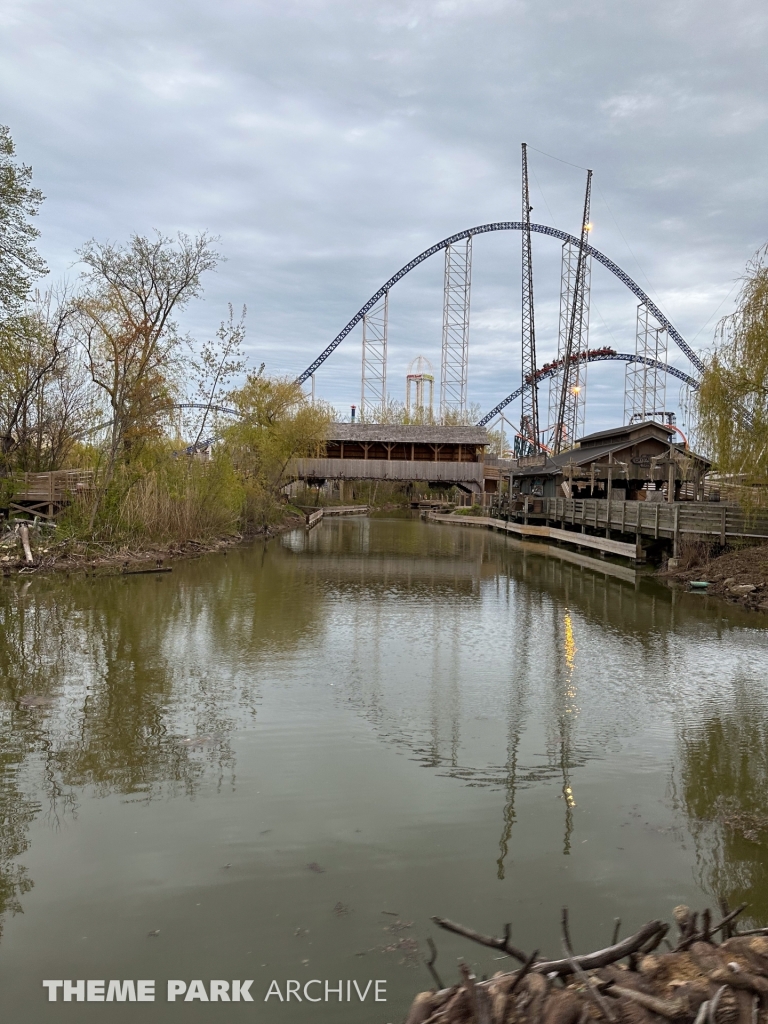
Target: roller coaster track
x=591, y=357
x=506, y=225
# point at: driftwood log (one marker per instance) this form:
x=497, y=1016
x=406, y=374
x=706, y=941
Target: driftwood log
x=703, y=979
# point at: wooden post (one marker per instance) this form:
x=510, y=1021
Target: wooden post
x=676, y=533
x=24, y=532
x=723, y=512
x=639, y=553
x=671, y=483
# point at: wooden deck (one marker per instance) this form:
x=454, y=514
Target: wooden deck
x=721, y=521
x=313, y=518
x=46, y=494
x=550, y=518
x=580, y=540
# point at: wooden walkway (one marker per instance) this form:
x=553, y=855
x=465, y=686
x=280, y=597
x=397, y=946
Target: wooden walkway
x=723, y=522
x=581, y=540
x=46, y=494
x=313, y=518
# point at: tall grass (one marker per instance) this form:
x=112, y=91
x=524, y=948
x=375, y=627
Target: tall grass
x=172, y=501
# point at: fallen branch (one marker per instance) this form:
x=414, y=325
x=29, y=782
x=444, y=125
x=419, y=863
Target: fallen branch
x=674, y=987
x=722, y=925
x=431, y=963
x=485, y=940
x=524, y=970
x=664, y=1007
x=609, y=955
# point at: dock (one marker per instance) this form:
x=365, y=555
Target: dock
x=579, y=540
x=621, y=528
x=313, y=518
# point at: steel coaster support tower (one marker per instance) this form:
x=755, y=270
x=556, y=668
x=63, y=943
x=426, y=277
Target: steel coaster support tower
x=578, y=379
x=574, y=335
x=373, y=394
x=455, y=355
x=645, y=385
x=529, y=420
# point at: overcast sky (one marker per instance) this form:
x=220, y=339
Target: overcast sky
x=327, y=143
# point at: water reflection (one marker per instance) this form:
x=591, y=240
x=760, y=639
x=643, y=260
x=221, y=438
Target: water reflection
x=484, y=661
x=722, y=785
x=132, y=687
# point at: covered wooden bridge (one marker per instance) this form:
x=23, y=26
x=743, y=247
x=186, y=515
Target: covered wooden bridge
x=376, y=451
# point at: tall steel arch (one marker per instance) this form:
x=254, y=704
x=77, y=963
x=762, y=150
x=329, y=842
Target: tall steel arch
x=596, y=357
x=506, y=225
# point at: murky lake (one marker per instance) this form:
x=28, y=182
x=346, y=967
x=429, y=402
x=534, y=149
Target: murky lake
x=279, y=762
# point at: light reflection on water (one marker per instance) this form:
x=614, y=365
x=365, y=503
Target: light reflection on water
x=440, y=720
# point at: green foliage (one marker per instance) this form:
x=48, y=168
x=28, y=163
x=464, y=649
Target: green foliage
x=20, y=263
x=733, y=399
x=123, y=323
x=160, y=500
x=277, y=424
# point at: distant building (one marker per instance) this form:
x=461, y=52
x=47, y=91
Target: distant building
x=635, y=462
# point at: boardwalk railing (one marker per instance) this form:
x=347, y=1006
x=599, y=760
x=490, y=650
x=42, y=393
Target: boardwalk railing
x=47, y=493
x=313, y=518
x=580, y=540
x=649, y=519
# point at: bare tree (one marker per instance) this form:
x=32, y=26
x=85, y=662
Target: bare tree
x=37, y=375
x=219, y=363
x=125, y=326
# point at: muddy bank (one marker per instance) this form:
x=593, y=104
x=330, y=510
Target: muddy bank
x=740, y=577
x=93, y=559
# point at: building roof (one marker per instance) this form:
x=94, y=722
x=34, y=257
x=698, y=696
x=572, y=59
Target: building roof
x=601, y=444
x=629, y=433
x=396, y=433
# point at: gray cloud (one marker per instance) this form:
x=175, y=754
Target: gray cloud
x=329, y=142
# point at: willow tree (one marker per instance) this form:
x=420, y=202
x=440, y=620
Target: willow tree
x=733, y=399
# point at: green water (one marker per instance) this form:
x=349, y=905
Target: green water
x=286, y=759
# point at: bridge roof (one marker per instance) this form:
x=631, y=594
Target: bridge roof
x=397, y=433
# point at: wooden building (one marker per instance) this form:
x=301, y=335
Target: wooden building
x=381, y=451
x=639, y=462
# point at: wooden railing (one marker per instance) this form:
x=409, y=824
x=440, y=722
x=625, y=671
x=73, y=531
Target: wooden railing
x=656, y=519
x=313, y=518
x=57, y=486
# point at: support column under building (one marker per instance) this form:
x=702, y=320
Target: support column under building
x=373, y=394
x=455, y=354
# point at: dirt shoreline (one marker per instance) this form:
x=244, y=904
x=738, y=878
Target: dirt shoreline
x=739, y=577
x=72, y=557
